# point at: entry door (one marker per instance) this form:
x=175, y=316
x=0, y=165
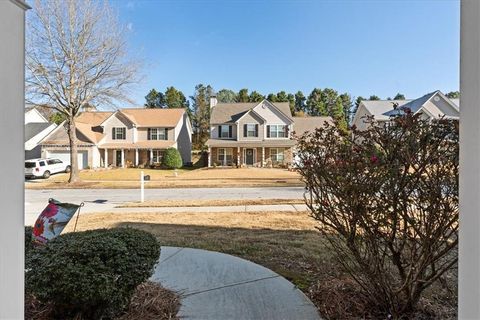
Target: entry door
x=249, y=156
x=118, y=158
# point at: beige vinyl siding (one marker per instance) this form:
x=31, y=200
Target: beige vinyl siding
x=214, y=130
x=250, y=118
x=143, y=134
x=116, y=122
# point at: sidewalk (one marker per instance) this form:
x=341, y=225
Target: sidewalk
x=89, y=208
x=214, y=285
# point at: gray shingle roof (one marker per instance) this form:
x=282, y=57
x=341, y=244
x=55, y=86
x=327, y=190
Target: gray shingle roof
x=231, y=112
x=34, y=128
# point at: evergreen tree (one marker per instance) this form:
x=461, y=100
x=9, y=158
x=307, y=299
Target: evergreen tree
x=300, y=102
x=453, y=95
x=374, y=97
x=272, y=97
x=243, y=95
x=226, y=96
x=200, y=115
x=399, y=96
x=255, y=96
x=174, y=98
x=154, y=99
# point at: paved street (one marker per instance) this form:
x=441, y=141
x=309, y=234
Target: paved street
x=97, y=200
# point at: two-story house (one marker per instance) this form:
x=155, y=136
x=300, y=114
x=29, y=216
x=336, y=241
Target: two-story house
x=37, y=127
x=126, y=137
x=254, y=134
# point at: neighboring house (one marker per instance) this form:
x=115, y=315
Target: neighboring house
x=254, y=134
x=37, y=127
x=431, y=106
x=127, y=137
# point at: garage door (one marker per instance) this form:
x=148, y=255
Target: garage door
x=65, y=157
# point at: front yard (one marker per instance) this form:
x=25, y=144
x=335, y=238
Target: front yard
x=286, y=242
x=184, y=178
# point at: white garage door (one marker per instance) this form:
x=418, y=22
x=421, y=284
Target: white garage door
x=65, y=157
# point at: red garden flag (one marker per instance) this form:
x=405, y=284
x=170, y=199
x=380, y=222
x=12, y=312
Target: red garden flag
x=53, y=220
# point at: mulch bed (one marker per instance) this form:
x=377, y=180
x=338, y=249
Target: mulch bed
x=149, y=302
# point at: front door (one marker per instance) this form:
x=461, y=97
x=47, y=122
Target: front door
x=249, y=157
x=118, y=158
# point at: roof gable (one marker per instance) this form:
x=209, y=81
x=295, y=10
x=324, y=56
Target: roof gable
x=232, y=112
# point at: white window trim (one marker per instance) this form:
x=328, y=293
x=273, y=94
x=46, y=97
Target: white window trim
x=254, y=126
x=276, y=154
x=227, y=131
x=158, y=132
x=156, y=154
x=277, y=125
x=224, y=161
x=121, y=133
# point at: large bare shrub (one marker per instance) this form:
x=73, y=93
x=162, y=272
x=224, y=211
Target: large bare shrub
x=387, y=201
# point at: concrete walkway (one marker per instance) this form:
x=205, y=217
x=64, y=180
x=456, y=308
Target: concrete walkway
x=219, y=286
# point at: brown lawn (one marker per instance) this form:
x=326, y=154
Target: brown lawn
x=286, y=242
x=209, y=203
x=129, y=178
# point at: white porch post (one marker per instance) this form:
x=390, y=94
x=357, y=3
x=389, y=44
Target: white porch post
x=105, y=163
x=123, y=158
x=151, y=156
x=263, y=156
x=209, y=155
x=136, y=157
x=238, y=156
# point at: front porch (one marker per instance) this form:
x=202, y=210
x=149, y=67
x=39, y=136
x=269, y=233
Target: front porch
x=253, y=156
x=128, y=157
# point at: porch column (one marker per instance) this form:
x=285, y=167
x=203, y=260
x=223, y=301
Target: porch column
x=123, y=158
x=209, y=155
x=263, y=156
x=151, y=156
x=105, y=163
x=136, y=157
x=238, y=156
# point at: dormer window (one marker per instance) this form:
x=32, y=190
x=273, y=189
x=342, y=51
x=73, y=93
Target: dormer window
x=157, y=134
x=252, y=130
x=119, y=133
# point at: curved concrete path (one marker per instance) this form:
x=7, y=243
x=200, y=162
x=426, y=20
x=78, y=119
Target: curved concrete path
x=214, y=285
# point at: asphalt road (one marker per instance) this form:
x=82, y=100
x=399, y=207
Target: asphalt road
x=97, y=200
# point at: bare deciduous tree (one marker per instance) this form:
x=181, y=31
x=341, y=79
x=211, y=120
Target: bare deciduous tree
x=76, y=54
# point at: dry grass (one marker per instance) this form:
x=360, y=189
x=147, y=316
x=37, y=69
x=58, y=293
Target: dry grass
x=129, y=178
x=209, y=203
x=150, y=301
x=286, y=242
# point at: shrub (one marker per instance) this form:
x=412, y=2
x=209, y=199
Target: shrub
x=172, y=159
x=387, y=202
x=92, y=274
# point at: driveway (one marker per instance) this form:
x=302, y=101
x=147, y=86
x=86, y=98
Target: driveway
x=97, y=200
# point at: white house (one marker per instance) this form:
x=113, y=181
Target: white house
x=37, y=127
x=430, y=106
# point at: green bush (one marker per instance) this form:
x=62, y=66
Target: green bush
x=172, y=159
x=28, y=242
x=92, y=274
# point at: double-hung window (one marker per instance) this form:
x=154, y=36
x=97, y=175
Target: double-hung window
x=251, y=130
x=278, y=131
x=157, y=156
x=225, y=156
x=119, y=133
x=225, y=131
x=157, y=134
x=277, y=154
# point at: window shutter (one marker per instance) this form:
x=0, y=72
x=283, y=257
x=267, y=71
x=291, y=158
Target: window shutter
x=245, y=130
x=256, y=130
x=166, y=133
x=124, y=130
x=219, y=131
x=113, y=133
x=286, y=131
x=268, y=131
x=229, y=131
x=148, y=134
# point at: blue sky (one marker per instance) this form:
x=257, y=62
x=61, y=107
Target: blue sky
x=359, y=47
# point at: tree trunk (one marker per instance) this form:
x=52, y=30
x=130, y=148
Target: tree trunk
x=72, y=137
